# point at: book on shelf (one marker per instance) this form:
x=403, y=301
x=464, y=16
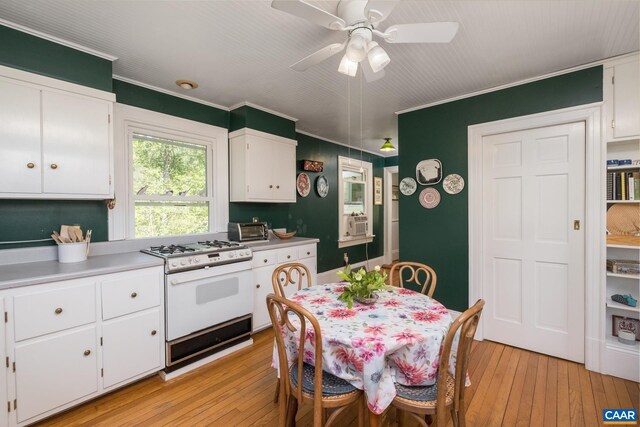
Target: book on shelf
x=623, y=185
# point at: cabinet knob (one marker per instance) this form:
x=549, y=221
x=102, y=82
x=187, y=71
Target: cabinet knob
x=134, y=294
x=277, y=186
x=271, y=186
x=87, y=352
x=58, y=310
x=258, y=285
x=288, y=256
x=265, y=260
x=54, y=166
x=308, y=253
x=154, y=332
x=31, y=165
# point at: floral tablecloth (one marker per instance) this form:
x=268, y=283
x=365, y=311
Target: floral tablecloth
x=397, y=339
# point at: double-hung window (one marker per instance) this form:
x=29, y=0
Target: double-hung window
x=355, y=204
x=170, y=186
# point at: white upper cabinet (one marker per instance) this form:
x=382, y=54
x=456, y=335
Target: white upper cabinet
x=622, y=98
x=55, y=138
x=20, y=162
x=262, y=166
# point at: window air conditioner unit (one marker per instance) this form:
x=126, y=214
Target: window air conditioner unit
x=357, y=225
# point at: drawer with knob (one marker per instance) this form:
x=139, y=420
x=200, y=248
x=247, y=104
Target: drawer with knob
x=263, y=259
x=130, y=292
x=287, y=255
x=41, y=313
x=306, y=251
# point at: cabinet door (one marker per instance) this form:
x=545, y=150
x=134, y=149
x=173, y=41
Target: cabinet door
x=259, y=169
x=4, y=416
x=310, y=263
x=54, y=371
x=75, y=142
x=20, y=162
x=284, y=172
x=626, y=99
x=263, y=287
x=131, y=346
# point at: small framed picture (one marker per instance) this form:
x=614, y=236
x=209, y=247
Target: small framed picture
x=395, y=192
x=620, y=323
x=377, y=190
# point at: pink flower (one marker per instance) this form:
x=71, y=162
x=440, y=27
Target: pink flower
x=407, y=337
x=361, y=307
x=405, y=291
x=347, y=357
x=392, y=303
x=308, y=356
x=339, y=289
x=341, y=313
x=311, y=336
x=426, y=316
x=379, y=348
x=411, y=373
x=366, y=355
x=320, y=300
x=374, y=329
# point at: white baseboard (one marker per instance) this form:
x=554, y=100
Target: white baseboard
x=331, y=277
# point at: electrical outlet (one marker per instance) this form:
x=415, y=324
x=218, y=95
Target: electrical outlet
x=346, y=258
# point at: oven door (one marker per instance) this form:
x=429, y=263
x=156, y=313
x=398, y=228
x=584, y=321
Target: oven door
x=202, y=298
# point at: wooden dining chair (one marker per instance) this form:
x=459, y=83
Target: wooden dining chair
x=292, y=274
x=448, y=392
x=422, y=275
x=300, y=381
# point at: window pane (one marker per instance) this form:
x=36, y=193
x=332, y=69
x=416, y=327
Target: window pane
x=353, y=192
x=155, y=219
x=162, y=165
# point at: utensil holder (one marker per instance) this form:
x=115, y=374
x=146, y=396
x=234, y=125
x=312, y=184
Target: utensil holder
x=72, y=252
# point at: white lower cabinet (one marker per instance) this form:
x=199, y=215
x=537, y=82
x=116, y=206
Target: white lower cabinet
x=141, y=332
x=51, y=372
x=264, y=262
x=70, y=341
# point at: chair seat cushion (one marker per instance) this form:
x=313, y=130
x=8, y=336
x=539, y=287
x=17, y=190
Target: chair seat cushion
x=424, y=395
x=331, y=385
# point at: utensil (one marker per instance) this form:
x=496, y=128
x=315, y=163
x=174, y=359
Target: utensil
x=78, y=233
x=87, y=239
x=56, y=238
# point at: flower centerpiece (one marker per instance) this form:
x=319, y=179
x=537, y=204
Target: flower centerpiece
x=363, y=285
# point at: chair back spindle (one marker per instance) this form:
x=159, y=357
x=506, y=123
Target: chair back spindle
x=293, y=274
x=421, y=275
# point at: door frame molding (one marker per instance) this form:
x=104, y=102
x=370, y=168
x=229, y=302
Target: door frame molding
x=388, y=212
x=595, y=212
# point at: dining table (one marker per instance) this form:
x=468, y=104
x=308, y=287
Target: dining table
x=397, y=339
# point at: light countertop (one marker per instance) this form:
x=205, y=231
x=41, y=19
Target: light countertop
x=276, y=243
x=33, y=273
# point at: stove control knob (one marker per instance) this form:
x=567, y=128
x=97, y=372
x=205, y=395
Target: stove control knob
x=232, y=254
x=174, y=264
x=183, y=262
x=196, y=260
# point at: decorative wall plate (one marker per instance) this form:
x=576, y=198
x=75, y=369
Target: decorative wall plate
x=408, y=186
x=322, y=186
x=429, y=172
x=429, y=198
x=303, y=184
x=453, y=183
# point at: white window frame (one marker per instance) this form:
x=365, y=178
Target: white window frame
x=130, y=120
x=347, y=163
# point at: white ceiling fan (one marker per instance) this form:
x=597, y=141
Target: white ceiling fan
x=360, y=19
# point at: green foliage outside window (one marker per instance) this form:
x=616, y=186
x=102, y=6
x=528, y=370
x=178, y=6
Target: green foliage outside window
x=178, y=172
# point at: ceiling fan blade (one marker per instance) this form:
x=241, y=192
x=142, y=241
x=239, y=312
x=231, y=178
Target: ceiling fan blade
x=310, y=13
x=378, y=10
x=433, y=32
x=319, y=56
x=369, y=75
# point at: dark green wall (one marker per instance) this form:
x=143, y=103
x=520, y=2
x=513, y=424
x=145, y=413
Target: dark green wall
x=249, y=117
x=36, y=219
x=138, y=96
x=313, y=216
x=390, y=161
x=40, y=56
x=439, y=237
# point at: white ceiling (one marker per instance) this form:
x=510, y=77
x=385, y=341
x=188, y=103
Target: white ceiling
x=239, y=51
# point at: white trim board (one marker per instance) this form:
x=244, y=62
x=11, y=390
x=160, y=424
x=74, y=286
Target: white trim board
x=265, y=109
x=518, y=83
x=595, y=215
x=57, y=40
x=388, y=212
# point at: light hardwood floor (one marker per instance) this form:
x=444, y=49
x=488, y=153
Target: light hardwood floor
x=510, y=387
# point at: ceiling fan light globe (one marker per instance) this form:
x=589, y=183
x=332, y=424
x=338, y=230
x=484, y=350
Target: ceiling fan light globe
x=357, y=48
x=348, y=67
x=378, y=58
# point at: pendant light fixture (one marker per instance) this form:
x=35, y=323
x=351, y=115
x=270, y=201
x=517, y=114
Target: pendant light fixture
x=387, y=146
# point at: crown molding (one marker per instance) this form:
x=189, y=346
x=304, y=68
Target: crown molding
x=265, y=109
x=519, y=82
x=169, y=92
x=57, y=40
x=340, y=143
